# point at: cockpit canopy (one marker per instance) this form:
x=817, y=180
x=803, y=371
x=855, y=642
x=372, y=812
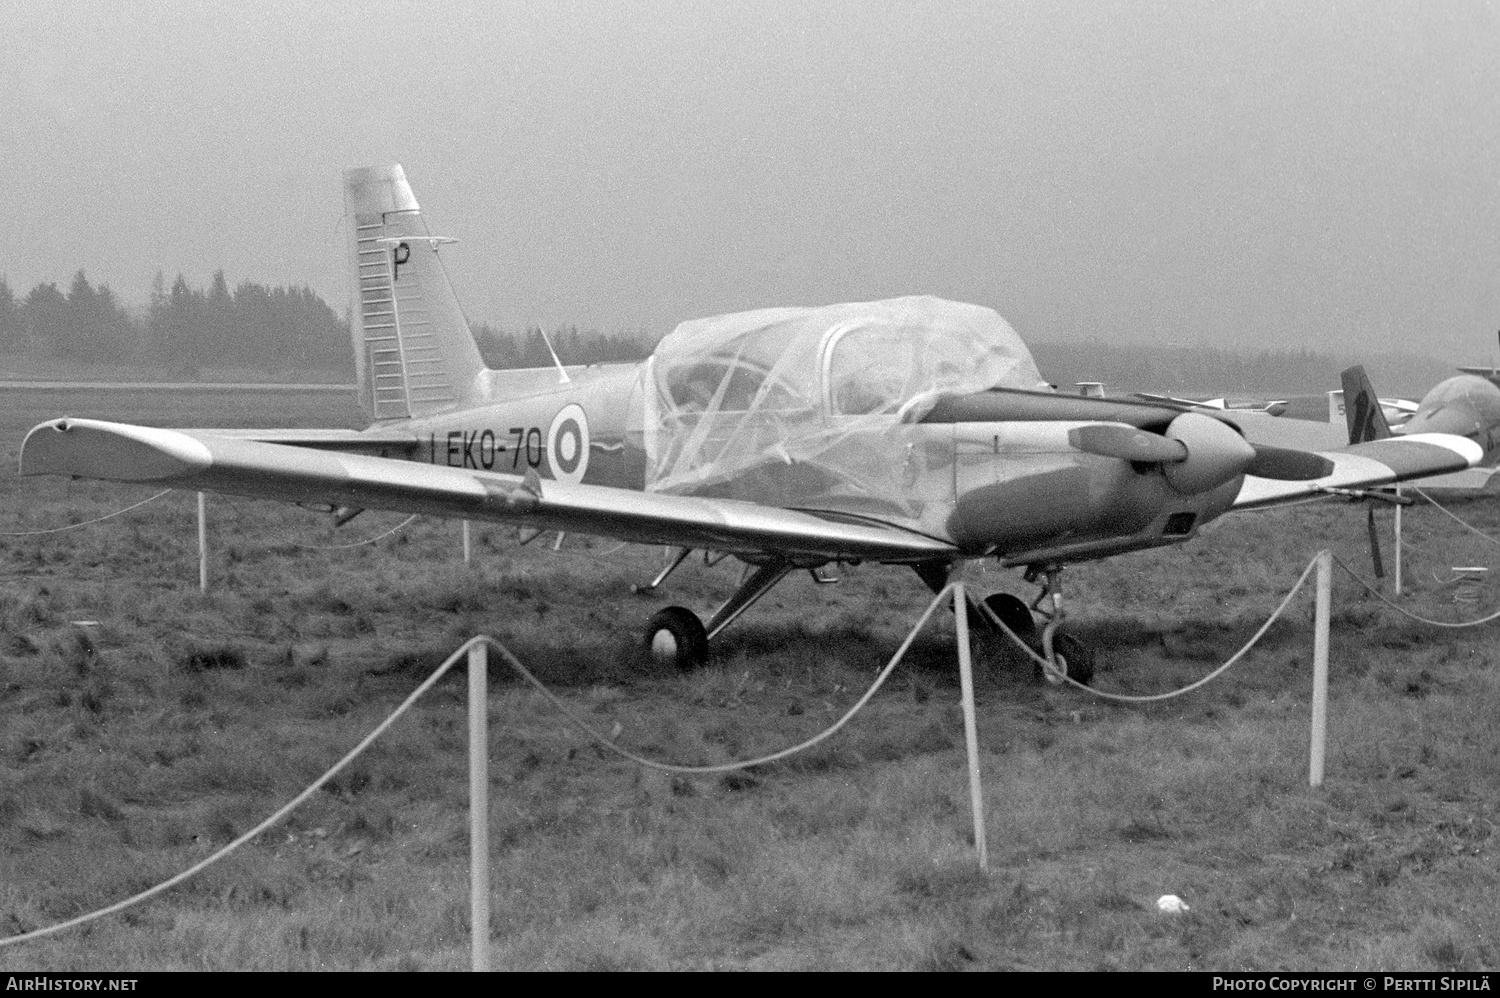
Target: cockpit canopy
x=812, y=388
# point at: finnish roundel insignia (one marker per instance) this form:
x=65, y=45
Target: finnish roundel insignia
x=568, y=444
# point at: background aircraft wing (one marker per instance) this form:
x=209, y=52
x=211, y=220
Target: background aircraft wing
x=1367, y=465
x=207, y=461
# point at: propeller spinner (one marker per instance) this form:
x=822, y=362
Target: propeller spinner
x=1198, y=453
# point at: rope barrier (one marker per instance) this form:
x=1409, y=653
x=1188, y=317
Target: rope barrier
x=238, y=511
x=416, y=694
x=344, y=547
x=1051, y=668
x=1373, y=591
x=1407, y=613
x=1047, y=663
x=1454, y=517
x=596, y=556
x=880, y=679
x=273, y=819
x=85, y=523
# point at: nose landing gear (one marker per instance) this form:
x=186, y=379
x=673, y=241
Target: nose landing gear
x=1072, y=657
x=1036, y=625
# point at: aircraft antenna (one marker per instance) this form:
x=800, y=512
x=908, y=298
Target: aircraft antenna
x=562, y=372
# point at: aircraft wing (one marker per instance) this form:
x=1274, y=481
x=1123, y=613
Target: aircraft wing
x=208, y=461
x=1484, y=372
x=1369, y=465
x=1169, y=399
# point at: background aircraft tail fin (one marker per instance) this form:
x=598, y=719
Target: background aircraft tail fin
x=1362, y=410
x=413, y=351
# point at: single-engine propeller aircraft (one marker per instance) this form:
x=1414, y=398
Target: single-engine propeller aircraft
x=914, y=431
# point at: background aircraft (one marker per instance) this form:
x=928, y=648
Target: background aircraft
x=1465, y=405
x=1273, y=407
x=913, y=431
x=1396, y=411
x=1490, y=373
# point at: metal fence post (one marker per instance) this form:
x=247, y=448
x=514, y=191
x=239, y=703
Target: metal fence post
x=1398, y=540
x=971, y=727
x=202, y=542
x=1320, y=669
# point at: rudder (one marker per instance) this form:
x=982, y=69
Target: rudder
x=413, y=352
x=1362, y=412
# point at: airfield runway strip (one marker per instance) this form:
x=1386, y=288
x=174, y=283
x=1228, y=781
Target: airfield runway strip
x=172, y=386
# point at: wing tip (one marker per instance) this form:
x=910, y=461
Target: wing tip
x=120, y=452
x=1465, y=448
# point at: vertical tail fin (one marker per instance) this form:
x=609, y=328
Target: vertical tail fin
x=413, y=350
x=1362, y=409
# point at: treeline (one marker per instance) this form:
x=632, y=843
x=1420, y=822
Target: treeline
x=183, y=330
x=573, y=346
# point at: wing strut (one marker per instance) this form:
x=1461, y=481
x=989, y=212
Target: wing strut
x=678, y=558
x=746, y=596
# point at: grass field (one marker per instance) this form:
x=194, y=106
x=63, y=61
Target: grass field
x=132, y=746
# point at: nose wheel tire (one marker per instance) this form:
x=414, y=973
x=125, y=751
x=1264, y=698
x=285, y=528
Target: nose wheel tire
x=676, y=637
x=1075, y=658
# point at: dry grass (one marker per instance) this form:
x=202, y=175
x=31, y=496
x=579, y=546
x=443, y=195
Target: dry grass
x=132, y=746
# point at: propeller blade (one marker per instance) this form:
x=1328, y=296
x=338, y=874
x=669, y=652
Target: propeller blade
x=1287, y=465
x=1202, y=451
x=1127, y=443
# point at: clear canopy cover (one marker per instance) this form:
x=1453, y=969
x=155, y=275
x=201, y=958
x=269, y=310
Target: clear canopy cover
x=815, y=407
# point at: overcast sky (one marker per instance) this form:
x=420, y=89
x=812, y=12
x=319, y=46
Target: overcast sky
x=1232, y=173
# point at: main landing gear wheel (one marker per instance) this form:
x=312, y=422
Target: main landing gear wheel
x=1075, y=658
x=676, y=637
